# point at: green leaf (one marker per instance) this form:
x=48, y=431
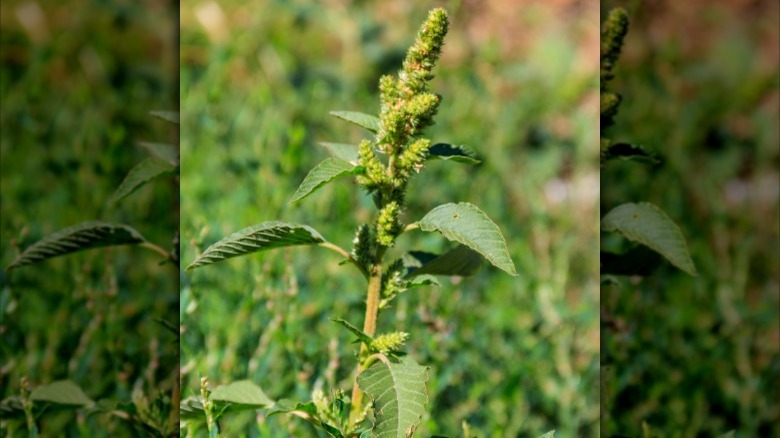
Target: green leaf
x=363, y=337
x=243, y=394
x=142, y=173
x=729, y=434
x=86, y=235
x=169, y=116
x=465, y=223
x=361, y=119
x=647, y=224
x=345, y=152
x=322, y=174
x=191, y=408
x=286, y=406
x=162, y=151
x=332, y=431
x=398, y=392
x=461, y=261
x=550, y=434
x=257, y=238
x=63, y=392
x=458, y=153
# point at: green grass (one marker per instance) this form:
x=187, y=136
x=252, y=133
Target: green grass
x=512, y=356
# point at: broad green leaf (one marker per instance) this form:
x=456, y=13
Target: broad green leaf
x=398, y=392
x=142, y=173
x=363, y=337
x=77, y=238
x=286, y=406
x=361, y=119
x=63, y=392
x=169, y=116
x=162, y=151
x=191, y=408
x=461, y=260
x=262, y=237
x=550, y=434
x=459, y=153
x=729, y=434
x=345, y=152
x=243, y=394
x=647, y=224
x=322, y=174
x=466, y=224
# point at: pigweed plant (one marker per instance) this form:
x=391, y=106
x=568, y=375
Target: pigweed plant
x=389, y=393
x=151, y=413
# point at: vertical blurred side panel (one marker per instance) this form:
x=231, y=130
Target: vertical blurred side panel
x=690, y=182
x=89, y=218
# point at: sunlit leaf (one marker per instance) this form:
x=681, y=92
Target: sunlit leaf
x=465, y=223
x=78, y=238
x=361, y=119
x=345, y=152
x=322, y=174
x=647, y=224
x=257, y=238
x=142, y=173
x=398, y=392
x=242, y=394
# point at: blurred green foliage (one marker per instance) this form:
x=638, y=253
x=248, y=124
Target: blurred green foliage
x=511, y=356
x=77, y=81
x=699, y=356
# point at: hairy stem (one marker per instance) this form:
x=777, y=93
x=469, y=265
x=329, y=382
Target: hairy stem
x=369, y=328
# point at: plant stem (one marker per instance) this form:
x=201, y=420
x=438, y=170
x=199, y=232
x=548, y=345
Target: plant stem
x=157, y=249
x=411, y=227
x=347, y=256
x=369, y=328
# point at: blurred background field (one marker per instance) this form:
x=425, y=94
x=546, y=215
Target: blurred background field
x=77, y=81
x=699, y=356
x=513, y=357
